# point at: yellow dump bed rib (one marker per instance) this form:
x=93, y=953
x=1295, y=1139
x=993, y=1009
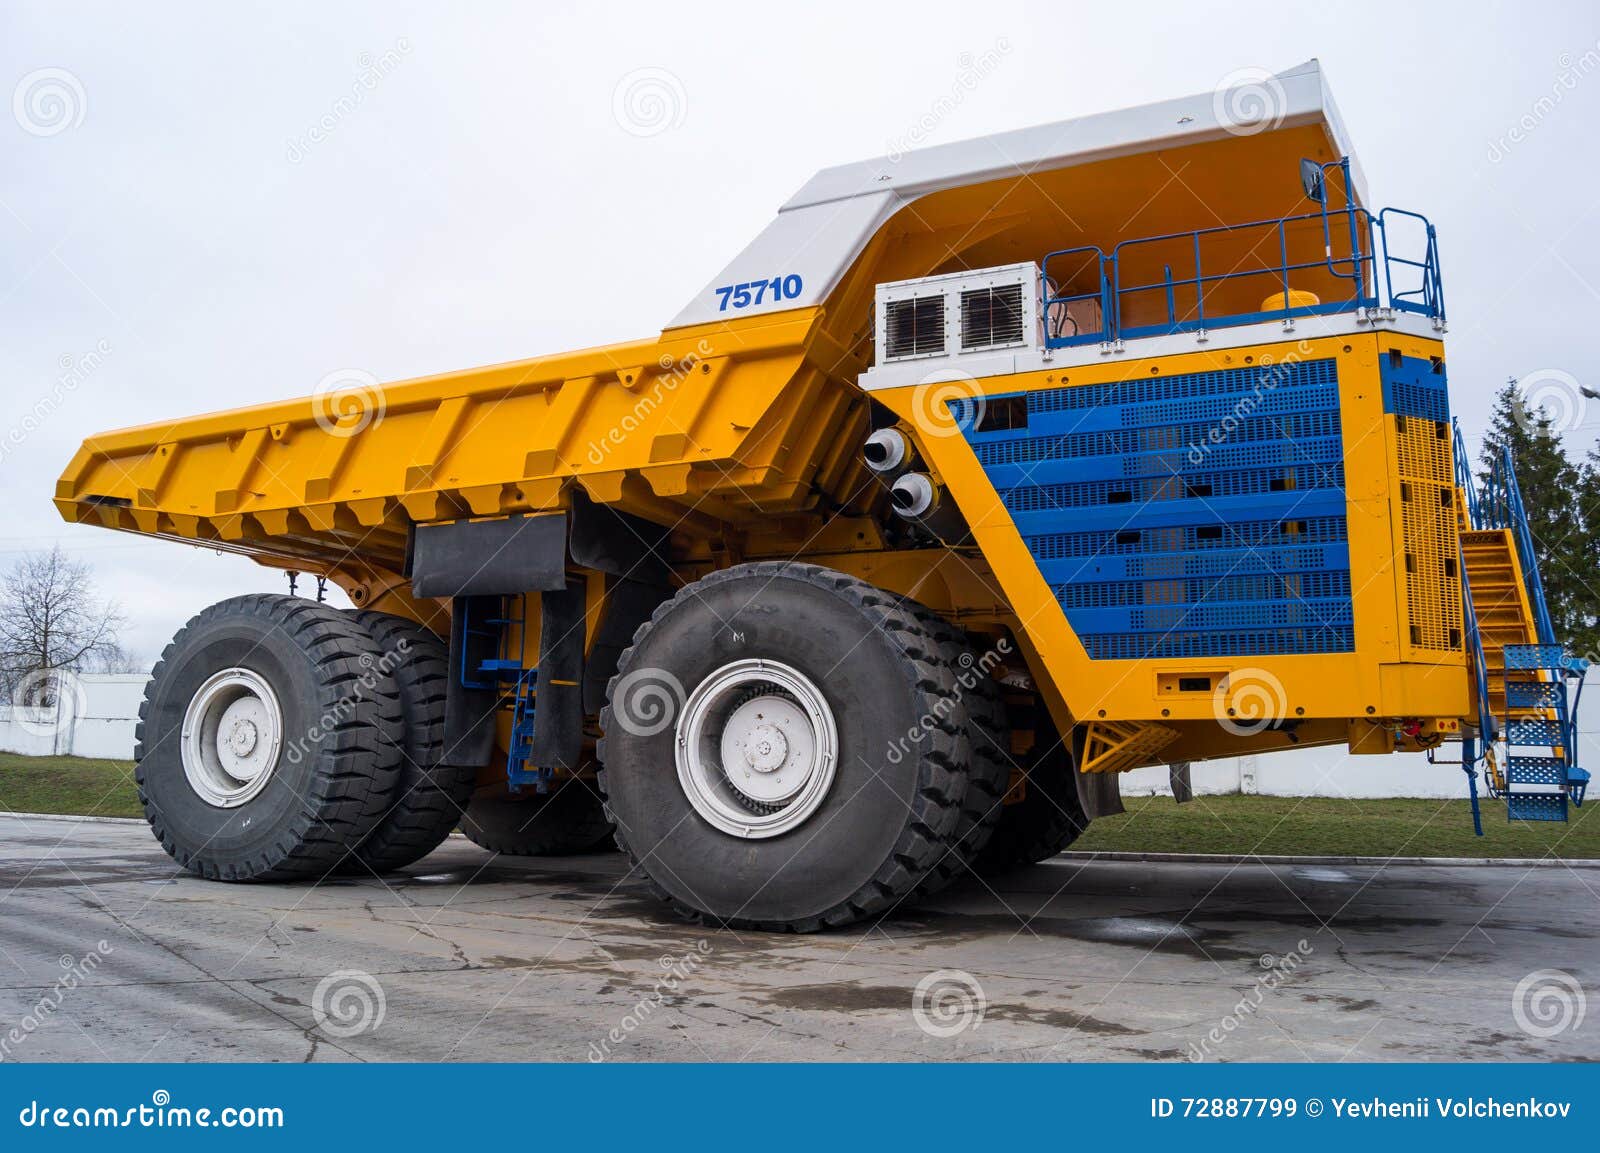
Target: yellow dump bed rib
x=715, y=424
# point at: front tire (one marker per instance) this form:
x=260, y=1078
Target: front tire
x=784, y=748
x=268, y=741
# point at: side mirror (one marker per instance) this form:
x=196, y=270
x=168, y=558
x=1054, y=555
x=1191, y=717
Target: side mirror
x=1311, y=181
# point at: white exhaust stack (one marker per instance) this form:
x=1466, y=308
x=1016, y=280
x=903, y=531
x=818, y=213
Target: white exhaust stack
x=886, y=451
x=914, y=496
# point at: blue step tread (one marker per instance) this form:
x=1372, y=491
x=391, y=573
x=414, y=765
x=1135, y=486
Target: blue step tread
x=1535, y=657
x=1536, y=771
x=1536, y=806
x=1528, y=732
x=1535, y=694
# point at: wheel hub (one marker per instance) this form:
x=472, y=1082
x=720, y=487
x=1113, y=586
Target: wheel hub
x=756, y=748
x=232, y=733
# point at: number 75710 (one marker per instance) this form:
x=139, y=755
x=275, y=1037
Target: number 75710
x=755, y=291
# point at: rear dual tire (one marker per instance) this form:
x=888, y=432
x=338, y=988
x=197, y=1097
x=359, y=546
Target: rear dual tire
x=283, y=739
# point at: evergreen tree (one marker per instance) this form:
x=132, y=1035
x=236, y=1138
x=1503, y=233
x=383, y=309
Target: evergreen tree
x=1555, y=494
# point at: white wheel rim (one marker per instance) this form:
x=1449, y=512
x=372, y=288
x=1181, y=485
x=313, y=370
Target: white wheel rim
x=232, y=733
x=757, y=748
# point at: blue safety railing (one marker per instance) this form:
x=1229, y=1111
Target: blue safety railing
x=1362, y=256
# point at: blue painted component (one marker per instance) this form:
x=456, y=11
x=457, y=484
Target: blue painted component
x=1529, y=657
x=1536, y=806
x=1199, y=515
x=518, y=773
x=1577, y=784
x=1534, y=694
x=1414, y=386
x=1536, y=771
x=1533, y=732
x=1359, y=255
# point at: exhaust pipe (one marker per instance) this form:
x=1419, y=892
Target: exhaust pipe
x=913, y=496
x=886, y=451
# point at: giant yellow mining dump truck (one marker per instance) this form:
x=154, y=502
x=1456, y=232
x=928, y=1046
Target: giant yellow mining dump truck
x=980, y=477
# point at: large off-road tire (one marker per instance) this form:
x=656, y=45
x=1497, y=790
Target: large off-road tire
x=836, y=714
x=428, y=797
x=1048, y=818
x=269, y=741
x=989, y=742
x=568, y=820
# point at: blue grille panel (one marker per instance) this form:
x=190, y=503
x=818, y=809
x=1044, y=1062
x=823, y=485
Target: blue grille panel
x=1413, y=386
x=1200, y=515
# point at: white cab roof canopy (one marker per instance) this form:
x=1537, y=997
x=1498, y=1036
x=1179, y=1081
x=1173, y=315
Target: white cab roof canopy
x=819, y=233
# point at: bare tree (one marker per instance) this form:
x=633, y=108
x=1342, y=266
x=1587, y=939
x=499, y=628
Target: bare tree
x=52, y=619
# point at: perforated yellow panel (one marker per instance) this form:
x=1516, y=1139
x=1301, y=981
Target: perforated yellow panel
x=1431, y=555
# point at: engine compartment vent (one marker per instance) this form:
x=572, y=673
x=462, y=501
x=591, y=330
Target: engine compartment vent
x=914, y=327
x=992, y=317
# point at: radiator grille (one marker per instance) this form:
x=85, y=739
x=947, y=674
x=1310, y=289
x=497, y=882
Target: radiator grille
x=991, y=317
x=1196, y=515
x=914, y=327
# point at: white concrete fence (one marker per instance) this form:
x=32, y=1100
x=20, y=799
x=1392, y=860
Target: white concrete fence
x=94, y=718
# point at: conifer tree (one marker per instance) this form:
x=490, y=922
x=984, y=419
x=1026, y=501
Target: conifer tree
x=1553, y=493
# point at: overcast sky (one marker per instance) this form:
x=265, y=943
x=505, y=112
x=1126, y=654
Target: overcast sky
x=237, y=199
